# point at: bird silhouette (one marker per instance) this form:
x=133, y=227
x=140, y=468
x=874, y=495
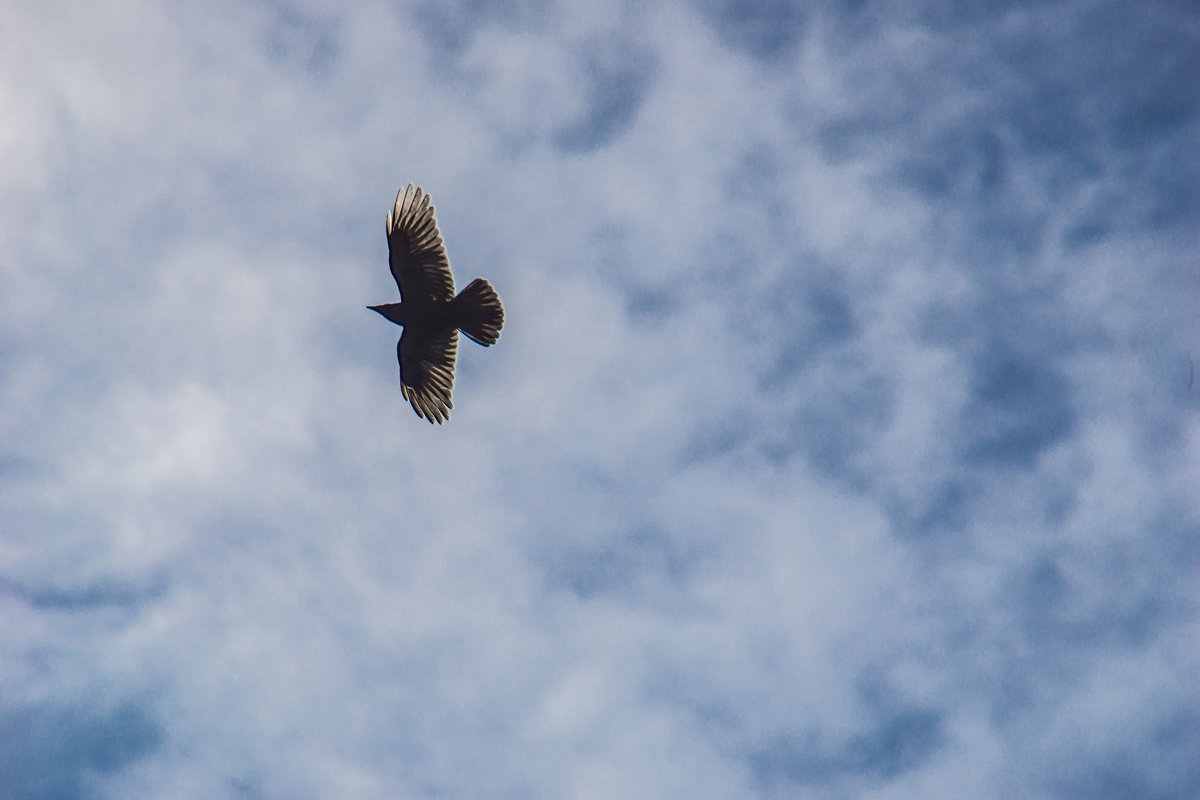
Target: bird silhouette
x=428, y=309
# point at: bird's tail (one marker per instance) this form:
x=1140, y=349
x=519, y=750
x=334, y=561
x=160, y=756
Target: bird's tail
x=479, y=313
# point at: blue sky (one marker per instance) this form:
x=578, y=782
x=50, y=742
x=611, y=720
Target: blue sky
x=839, y=442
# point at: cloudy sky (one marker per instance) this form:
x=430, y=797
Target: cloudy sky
x=843, y=440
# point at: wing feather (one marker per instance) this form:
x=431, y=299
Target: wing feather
x=427, y=370
x=416, y=252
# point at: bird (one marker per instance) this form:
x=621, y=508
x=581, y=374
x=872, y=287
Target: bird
x=430, y=312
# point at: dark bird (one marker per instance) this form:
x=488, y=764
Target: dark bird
x=428, y=309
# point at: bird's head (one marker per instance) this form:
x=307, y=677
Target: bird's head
x=392, y=312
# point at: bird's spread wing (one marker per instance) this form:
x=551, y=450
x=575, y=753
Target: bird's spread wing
x=427, y=370
x=415, y=249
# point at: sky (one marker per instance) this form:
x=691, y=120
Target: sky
x=842, y=441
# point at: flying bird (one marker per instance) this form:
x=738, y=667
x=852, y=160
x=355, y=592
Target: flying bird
x=428, y=309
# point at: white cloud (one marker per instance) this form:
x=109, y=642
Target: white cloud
x=827, y=448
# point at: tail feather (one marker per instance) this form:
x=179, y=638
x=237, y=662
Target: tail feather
x=479, y=313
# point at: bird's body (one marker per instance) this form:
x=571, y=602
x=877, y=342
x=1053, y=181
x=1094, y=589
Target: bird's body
x=429, y=310
x=433, y=312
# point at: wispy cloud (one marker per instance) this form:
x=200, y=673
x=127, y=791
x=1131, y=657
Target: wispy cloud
x=837, y=442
